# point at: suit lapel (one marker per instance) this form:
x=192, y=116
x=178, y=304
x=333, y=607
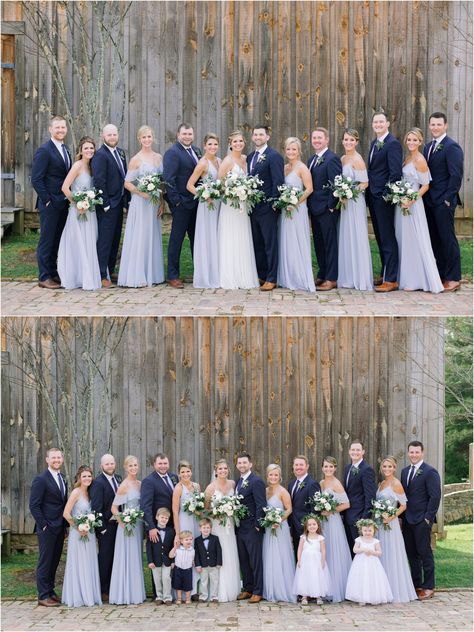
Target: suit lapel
x=54, y=485
x=58, y=155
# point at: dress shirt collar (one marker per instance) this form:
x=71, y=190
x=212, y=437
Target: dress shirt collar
x=357, y=464
x=261, y=150
x=321, y=153
x=245, y=476
x=111, y=149
x=440, y=139
x=58, y=144
x=382, y=138
x=300, y=480
x=417, y=465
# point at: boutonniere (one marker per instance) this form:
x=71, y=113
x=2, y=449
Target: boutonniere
x=319, y=161
x=198, y=152
x=121, y=153
x=419, y=471
x=379, y=144
x=354, y=470
x=245, y=484
x=439, y=147
x=301, y=485
x=261, y=158
x=174, y=480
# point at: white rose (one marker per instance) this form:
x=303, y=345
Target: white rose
x=349, y=179
x=91, y=517
x=80, y=206
x=91, y=194
x=410, y=191
x=150, y=187
x=293, y=199
x=206, y=195
x=126, y=518
x=84, y=527
x=349, y=194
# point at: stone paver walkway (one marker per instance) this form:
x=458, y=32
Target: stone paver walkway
x=27, y=299
x=447, y=611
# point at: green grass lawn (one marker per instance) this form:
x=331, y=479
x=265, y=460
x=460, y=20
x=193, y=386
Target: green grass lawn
x=19, y=257
x=453, y=566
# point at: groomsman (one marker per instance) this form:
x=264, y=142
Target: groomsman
x=324, y=166
x=51, y=164
x=267, y=164
x=47, y=501
x=384, y=165
x=109, y=167
x=422, y=486
x=445, y=160
x=157, y=491
x=249, y=533
x=102, y=494
x=301, y=488
x=179, y=162
x=360, y=486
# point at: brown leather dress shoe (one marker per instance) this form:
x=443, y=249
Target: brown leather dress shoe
x=425, y=594
x=326, y=285
x=451, y=286
x=386, y=286
x=268, y=286
x=104, y=597
x=49, y=603
x=244, y=595
x=55, y=598
x=255, y=599
x=261, y=282
x=176, y=283
x=106, y=283
x=49, y=284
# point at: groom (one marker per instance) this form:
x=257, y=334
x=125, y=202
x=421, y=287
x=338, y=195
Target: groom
x=267, y=164
x=249, y=533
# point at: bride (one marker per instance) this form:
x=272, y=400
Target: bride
x=229, y=573
x=237, y=267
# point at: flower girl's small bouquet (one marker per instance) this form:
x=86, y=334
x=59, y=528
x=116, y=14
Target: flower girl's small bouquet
x=382, y=508
x=195, y=504
x=228, y=507
x=87, y=523
x=151, y=183
x=130, y=518
x=241, y=189
x=344, y=188
x=86, y=200
x=272, y=519
x=401, y=192
x=322, y=501
x=209, y=191
x=287, y=200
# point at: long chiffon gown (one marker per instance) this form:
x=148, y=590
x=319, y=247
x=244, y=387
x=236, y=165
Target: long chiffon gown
x=394, y=558
x=417, y=264
x=338, y=555
x=141, y=262
x=229, y=573
x=367, y=581
x=354, y=259
x=278, y=560
x=237, y=267
x=127, y=584
x=81, y=585
x=205, y=253
x=78, y=264
x=295, y=269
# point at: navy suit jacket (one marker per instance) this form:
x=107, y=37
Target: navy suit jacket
x=47, y=503
x=211, y=557
x=48, y=173
x=322, y=199
x=271, y=171
x=386, y=165
x=423, y=494
x=108, y=177
x=446, y=166
x=255, y=499
x=299, y=502
x=361, y=491
x=102, y=496
x=178, y=167
x=155, y=493
x=158, y=553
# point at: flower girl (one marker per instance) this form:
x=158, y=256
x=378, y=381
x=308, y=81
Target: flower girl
x=312, y=578
x=367, y=581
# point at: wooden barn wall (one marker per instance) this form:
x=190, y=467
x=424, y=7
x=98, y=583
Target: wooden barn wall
x=292, y=65
x=203, y=388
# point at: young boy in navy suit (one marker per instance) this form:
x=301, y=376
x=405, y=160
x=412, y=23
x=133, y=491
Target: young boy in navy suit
x=157, y=554
x=207, y=561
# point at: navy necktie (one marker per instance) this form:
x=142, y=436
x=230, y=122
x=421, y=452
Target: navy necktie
x=255, y=158
x=114, y=484
x=119, y=162
x=167, y=482
x=411, y=475
x=239, y=484
x=190, y=152
x=61, y=485
x=65, y=156
x=431, y=150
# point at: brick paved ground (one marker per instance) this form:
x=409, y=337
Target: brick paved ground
x=447, y=611
x=27, y=299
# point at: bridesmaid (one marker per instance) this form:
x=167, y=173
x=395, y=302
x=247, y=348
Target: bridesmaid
x=354, y=260
x=394, y=558
x=127, y=584
x=205, y=255
x=338, y=555
x=417, y=265
x=295, y=270
x=81, y=577
x=278, y=556
x=78, y=265
x=141, y=262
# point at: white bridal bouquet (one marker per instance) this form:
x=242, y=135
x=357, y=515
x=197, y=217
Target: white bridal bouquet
x=209, y=191
x=239, y=190
x=322, y=501
x=151, y=183
x=87, y=523
x=344, y=188
x=382, y=508
x=195, y=504
x=401, y=192
x=287, y=200
x=272, y=519
x=228, y=507
x=86, y=200
x=130, y=518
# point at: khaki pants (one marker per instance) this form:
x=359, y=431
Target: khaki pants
x=162, y=581
x=209, y=583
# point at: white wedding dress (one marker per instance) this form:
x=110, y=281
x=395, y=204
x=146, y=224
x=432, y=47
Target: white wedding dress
x=237, y=267
x=229, y=573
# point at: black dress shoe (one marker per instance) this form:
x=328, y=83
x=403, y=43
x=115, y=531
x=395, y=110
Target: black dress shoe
x=194, y=597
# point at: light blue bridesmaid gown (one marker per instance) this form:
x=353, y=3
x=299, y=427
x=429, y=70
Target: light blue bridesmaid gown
x=338, y=555
x=205, y=253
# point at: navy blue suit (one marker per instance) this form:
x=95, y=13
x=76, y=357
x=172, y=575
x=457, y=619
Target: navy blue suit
x=109, y=178
x=441, y=199
x=48, y=173
x=300, y=508
x=178, y=166
x=47, y=506
x=361, y=489
x=158, y=553
x=324, y=217
x=385, y=166
x=423, y=498
x=102, y=496
x=155, y=493
x=210, y=557
x=264, y=220
x=249, y=540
